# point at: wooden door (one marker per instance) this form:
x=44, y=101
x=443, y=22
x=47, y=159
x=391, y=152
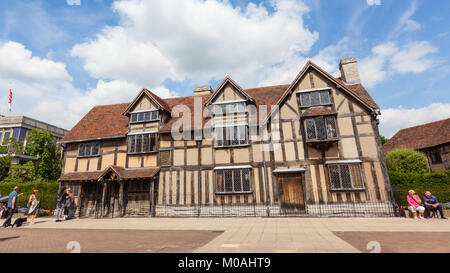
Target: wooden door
x=291, y=193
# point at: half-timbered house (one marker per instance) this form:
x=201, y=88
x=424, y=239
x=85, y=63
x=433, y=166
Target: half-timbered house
x=309, y=147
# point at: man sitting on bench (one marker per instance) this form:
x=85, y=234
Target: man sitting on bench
x=432, y=204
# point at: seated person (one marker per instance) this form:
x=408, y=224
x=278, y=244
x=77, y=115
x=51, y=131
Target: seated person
x=414, y=204
x=432, y=204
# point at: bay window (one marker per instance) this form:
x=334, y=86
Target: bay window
x=320, y=128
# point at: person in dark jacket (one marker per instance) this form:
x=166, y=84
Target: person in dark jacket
x=432, y=204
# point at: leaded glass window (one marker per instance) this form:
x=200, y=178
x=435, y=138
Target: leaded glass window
x=345, y=176
x=88, y=149
x=144, y=116
x=233, y=181
x=142, y=143
x=314, y=98
x=321, y=127
x=231, y=136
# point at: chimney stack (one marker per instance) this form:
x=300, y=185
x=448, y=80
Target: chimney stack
x=202, y=90
x=349, y=70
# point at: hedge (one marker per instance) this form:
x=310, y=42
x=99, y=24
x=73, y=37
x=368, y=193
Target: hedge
x=48, y=190
x=436, y=182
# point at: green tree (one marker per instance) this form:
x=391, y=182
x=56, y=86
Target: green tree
x=12, y=145
x=21, y=172
x=41, y=144
x=5, y=163
x=383, y=139
x=407, y=161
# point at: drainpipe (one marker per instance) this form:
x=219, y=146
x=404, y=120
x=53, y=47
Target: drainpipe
x=199, y=143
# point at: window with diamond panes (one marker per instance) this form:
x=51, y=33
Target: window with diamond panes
x=319, y=128
x=233, y=181
x=345, y=176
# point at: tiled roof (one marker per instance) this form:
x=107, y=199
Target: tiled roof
x=101, y=122
x=318, y=111
x=122, y=173
x=359, y=91
x=109, y=121
x=420, y=136
x=81, y=176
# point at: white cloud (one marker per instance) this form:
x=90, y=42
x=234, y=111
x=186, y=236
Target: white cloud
x=405, y=23
x=73, y=2
x=43, y=88
x=373, y=2
x=394, y=119
x=389, y=59
x=16, y=62
x=208, y=39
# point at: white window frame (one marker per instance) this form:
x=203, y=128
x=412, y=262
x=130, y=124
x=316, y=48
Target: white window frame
x=144, y=120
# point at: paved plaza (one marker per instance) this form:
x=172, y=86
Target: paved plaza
x=278, y=235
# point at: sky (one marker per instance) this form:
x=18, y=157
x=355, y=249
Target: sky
x=62, y=57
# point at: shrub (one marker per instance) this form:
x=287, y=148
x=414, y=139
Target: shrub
x=437, y=182
x=48, y=190
x=407, y=161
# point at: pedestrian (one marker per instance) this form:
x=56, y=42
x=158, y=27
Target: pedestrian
x=67, y=203
x=3, y=210
x=12, y=202
x=60, y=204
x=432, y=204
x=32, y=206
x=414, y=204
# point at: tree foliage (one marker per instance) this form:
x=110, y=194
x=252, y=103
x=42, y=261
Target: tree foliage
x=407, y=161
x=41, y=144
x=383, y=139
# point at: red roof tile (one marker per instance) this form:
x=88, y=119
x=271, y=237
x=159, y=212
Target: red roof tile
x=420, y=136
x=122, y=173
x=101, y=122
x=318, y=111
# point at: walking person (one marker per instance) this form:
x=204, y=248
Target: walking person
x=414, y=204
x=32, y=206
x=3, y=210
x=67, y=203
x=12, y=202
x=60, y=204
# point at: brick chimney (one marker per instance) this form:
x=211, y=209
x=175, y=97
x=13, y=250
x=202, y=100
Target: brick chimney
x=349, y=70
x=202, y=90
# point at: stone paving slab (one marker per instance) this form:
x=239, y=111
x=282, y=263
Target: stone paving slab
x=255, y=234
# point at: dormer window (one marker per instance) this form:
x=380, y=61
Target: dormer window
x=228, y=108
x=143, y=116
x=314, y=98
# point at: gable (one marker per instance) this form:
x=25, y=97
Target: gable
x=144, y=103
x=228, y=90
x=228, y=93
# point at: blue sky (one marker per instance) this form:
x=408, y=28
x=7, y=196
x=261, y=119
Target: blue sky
x=62, y=57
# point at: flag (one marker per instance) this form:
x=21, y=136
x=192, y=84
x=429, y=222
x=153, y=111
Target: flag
x=10, y=99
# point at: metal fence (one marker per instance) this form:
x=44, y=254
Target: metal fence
x=313, y=203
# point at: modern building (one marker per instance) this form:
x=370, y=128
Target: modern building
x=310, y=147
x=432, y=139
x=20, y=127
